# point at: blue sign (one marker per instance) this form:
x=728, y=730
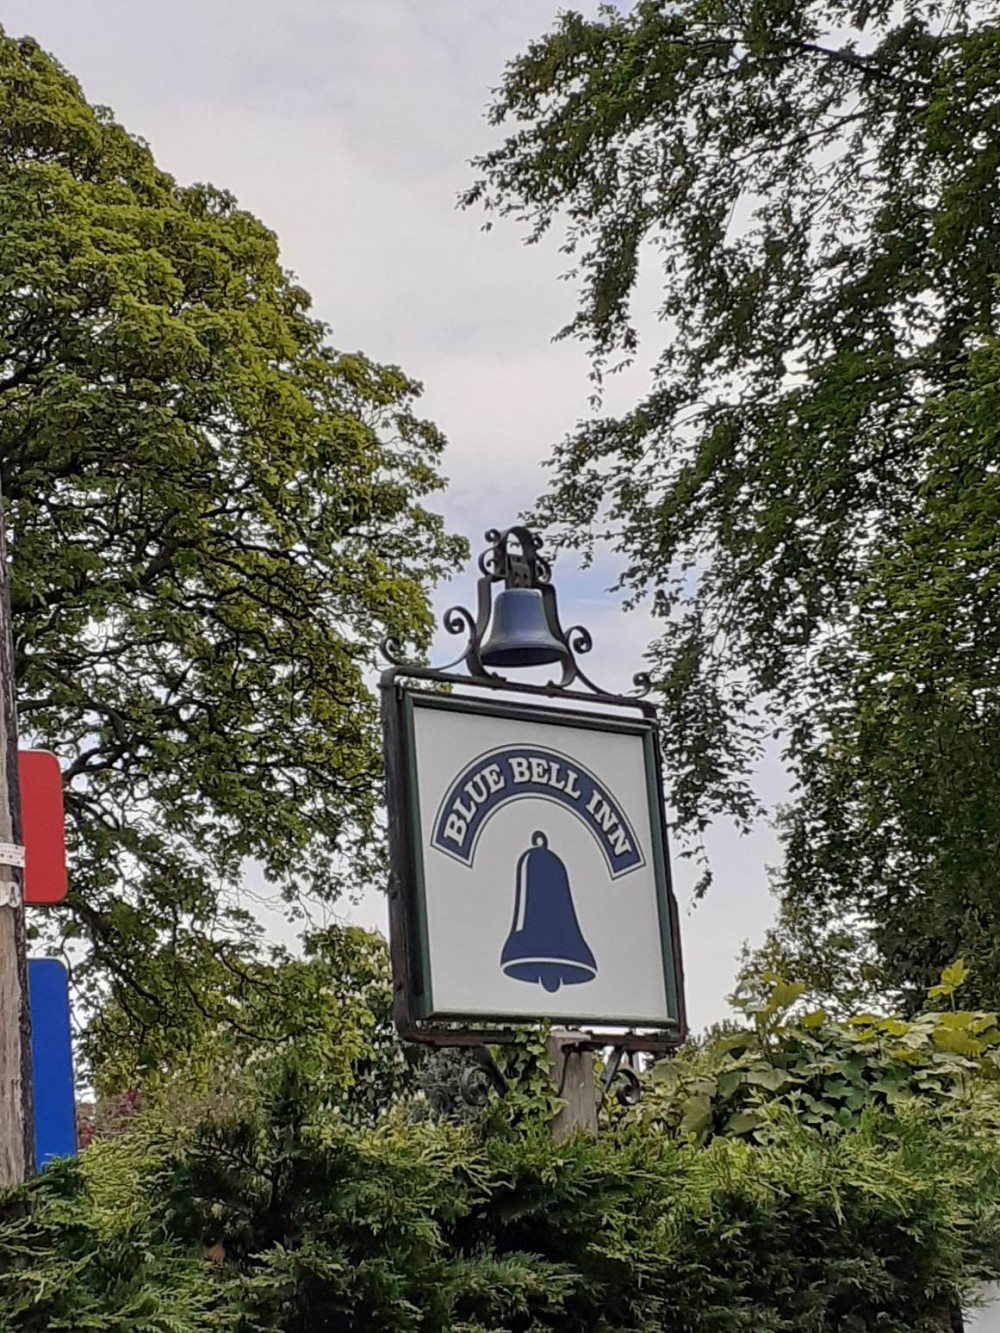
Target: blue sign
x=51, y=1060
x=517, y=771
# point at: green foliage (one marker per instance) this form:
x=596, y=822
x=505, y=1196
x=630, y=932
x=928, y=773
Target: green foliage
x=827, y=1074
x=287, y=1220
x=78, y=1251
x=898, y=812
x=792, y=1174
x=327, y=1016
x=807, y=494
x=215, y=518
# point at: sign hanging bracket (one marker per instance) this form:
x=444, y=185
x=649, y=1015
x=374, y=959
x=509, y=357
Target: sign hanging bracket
x=480, y=1077
x=615, y=1071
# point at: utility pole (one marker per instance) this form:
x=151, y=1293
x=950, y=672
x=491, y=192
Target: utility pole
x=16, y=1108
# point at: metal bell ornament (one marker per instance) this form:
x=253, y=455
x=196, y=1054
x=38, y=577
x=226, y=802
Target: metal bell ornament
x=519, y=634
x=545, y=944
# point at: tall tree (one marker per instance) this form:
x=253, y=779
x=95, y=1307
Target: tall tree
x=324, y=1019
x=215, y=517
x=805, y=490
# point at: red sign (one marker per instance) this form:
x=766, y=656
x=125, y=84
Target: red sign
x=42, y=827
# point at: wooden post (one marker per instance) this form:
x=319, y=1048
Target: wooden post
x=573, y=1079
x=17, y=1150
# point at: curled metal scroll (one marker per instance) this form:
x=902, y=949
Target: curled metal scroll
x=479, y=1079
x=393, y=651
x=643, y=683
x=580, y=639
x=629, y=1089
x=490, y=561
x=512, y=558
x=457, y=620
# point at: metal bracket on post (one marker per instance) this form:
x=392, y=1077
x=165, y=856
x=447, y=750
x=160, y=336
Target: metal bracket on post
x=12, y=857
x=630, y=1092
x=10, y=894
x=480, y=1077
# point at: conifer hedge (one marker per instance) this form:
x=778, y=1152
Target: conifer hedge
x=728, y=1200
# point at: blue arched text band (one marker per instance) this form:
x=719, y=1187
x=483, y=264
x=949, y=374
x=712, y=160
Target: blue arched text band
x=517, y=771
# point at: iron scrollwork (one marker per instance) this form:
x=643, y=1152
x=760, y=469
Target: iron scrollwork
x=629, y=1089
x=482, y=1077
x=512, y=559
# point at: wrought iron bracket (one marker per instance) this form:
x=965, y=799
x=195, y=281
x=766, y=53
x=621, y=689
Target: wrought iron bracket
x=629, y=1091
x=513, y=559
x=481, y=1077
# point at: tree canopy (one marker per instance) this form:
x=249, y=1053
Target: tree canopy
x=215, y=516
x=806, y=493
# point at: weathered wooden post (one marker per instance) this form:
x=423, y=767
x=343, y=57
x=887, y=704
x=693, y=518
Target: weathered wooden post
x=573, y=1079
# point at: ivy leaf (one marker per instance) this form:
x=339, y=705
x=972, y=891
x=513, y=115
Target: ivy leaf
x=953, y=976
x=766, y=1077
x=729, y=1082
x=957, y=1040
x=736, y=1041
x=743, y=1122
x=783, y=996
x=814, y=1019
x=696, y=1116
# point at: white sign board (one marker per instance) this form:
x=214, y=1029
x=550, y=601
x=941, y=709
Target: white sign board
x=985, y=1319
x=539, y=865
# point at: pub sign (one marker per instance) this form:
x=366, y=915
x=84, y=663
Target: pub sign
x=530, y=877
x=533, y=865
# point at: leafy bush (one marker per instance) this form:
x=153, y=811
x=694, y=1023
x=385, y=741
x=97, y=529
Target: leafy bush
x=288, y=1217
x=827, y=1073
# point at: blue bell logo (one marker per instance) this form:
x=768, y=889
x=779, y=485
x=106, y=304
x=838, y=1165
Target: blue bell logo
x=545, y=944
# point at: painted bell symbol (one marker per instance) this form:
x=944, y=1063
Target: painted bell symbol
x=545, y=944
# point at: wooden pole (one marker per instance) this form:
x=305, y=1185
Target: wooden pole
x=17, y=1139
x=573, y=1079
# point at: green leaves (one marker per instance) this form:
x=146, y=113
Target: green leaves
x=696, y=1116
x=765, y=1077
x=806, y=494
x=216, y=517
x=326, y=1016
x=826, y=1074
x=800, y=1169
x=285, y=1220
x=951, y=978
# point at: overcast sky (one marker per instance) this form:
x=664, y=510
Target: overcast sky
x=347, y=127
